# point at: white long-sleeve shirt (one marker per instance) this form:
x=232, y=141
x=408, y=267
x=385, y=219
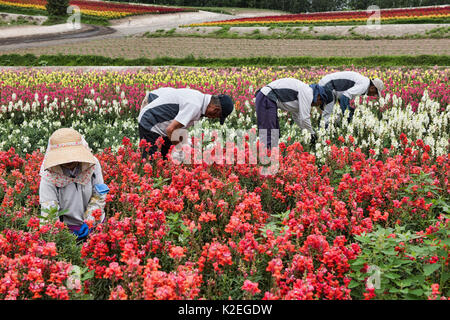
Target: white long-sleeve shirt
x=347, y=83
x=183, y=105
x=293, y=96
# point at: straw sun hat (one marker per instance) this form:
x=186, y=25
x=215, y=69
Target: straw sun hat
x=67, y=145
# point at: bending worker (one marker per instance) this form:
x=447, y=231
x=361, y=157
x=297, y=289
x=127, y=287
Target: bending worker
x=293, y=96
x=346, y=85
x=165, y=110
x=72, y=182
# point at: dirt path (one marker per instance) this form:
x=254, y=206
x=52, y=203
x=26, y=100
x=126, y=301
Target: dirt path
x=141, y=24
x=121, y=40
x=38, y=36
x=56, y=32
x=134, y=47
x=385, y=30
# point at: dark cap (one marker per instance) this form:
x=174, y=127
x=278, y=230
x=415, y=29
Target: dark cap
x=227, y=106
x=324, y=92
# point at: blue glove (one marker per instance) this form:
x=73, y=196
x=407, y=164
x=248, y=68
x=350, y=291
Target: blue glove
x=83, y=232
x=101, y=188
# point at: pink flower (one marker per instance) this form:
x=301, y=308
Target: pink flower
x=250, y=287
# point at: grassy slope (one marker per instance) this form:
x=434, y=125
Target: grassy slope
x=35, y=12
x=288, y=33
x=372, y=61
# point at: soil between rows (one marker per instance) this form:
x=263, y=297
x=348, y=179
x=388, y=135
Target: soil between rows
x=139, y=47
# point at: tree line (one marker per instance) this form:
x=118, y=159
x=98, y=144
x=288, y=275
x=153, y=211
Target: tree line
x=297, y=6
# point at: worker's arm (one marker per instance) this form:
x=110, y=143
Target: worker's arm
x=98, y=200
x=48, y=198
x=188, y=112
x=304, y=111
x=174, y=125
x=327, y=111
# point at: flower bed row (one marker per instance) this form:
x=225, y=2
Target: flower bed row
x=407, y=15
x=104, y=105
x=221, y=231
x=102, y=9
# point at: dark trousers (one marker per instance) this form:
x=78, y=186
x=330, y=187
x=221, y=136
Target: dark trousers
x=151, y=137
x=351, y=112
x=266, y=118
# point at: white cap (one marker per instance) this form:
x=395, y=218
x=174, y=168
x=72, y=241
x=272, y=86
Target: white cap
x=378, y=84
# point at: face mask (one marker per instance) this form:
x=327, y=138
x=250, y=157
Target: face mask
x=71, y=172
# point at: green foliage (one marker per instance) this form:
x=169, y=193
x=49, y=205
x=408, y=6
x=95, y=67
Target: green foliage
x=87, y=19
x=65, y=240
x=18, y=21
x=87, y=60
x=400, y=260
x=275, y=224
x=422, y=186
x=19, y=10
x=284, y=31
x=57, y=8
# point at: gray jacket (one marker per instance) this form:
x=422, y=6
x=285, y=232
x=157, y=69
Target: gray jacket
x=74, y=197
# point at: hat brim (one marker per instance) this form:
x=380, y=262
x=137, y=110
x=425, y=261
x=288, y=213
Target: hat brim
x=64, y=155
x=378, y=92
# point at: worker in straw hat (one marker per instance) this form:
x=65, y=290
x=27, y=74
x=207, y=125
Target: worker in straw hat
x=346, y=86
x=72, y=182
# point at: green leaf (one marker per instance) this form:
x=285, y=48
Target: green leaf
x=430, y=268
x=353, y=284
x=358, y=262
x=406, y=282
x=445, y=276
x=405, y=262
x=416, y=292
x=391, y=275
x=405, y=291
x=88, y=275
x=391, y=252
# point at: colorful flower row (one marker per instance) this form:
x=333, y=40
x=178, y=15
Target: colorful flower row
x=104, y=105
x=385, y=15
x=98, y=8
x=226, y=232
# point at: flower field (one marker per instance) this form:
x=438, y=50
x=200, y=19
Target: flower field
x=370, y=193
x=104, y=105
x=101, y=9
x=407, y=15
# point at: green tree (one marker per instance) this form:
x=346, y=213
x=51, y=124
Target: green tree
x=57, y=8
